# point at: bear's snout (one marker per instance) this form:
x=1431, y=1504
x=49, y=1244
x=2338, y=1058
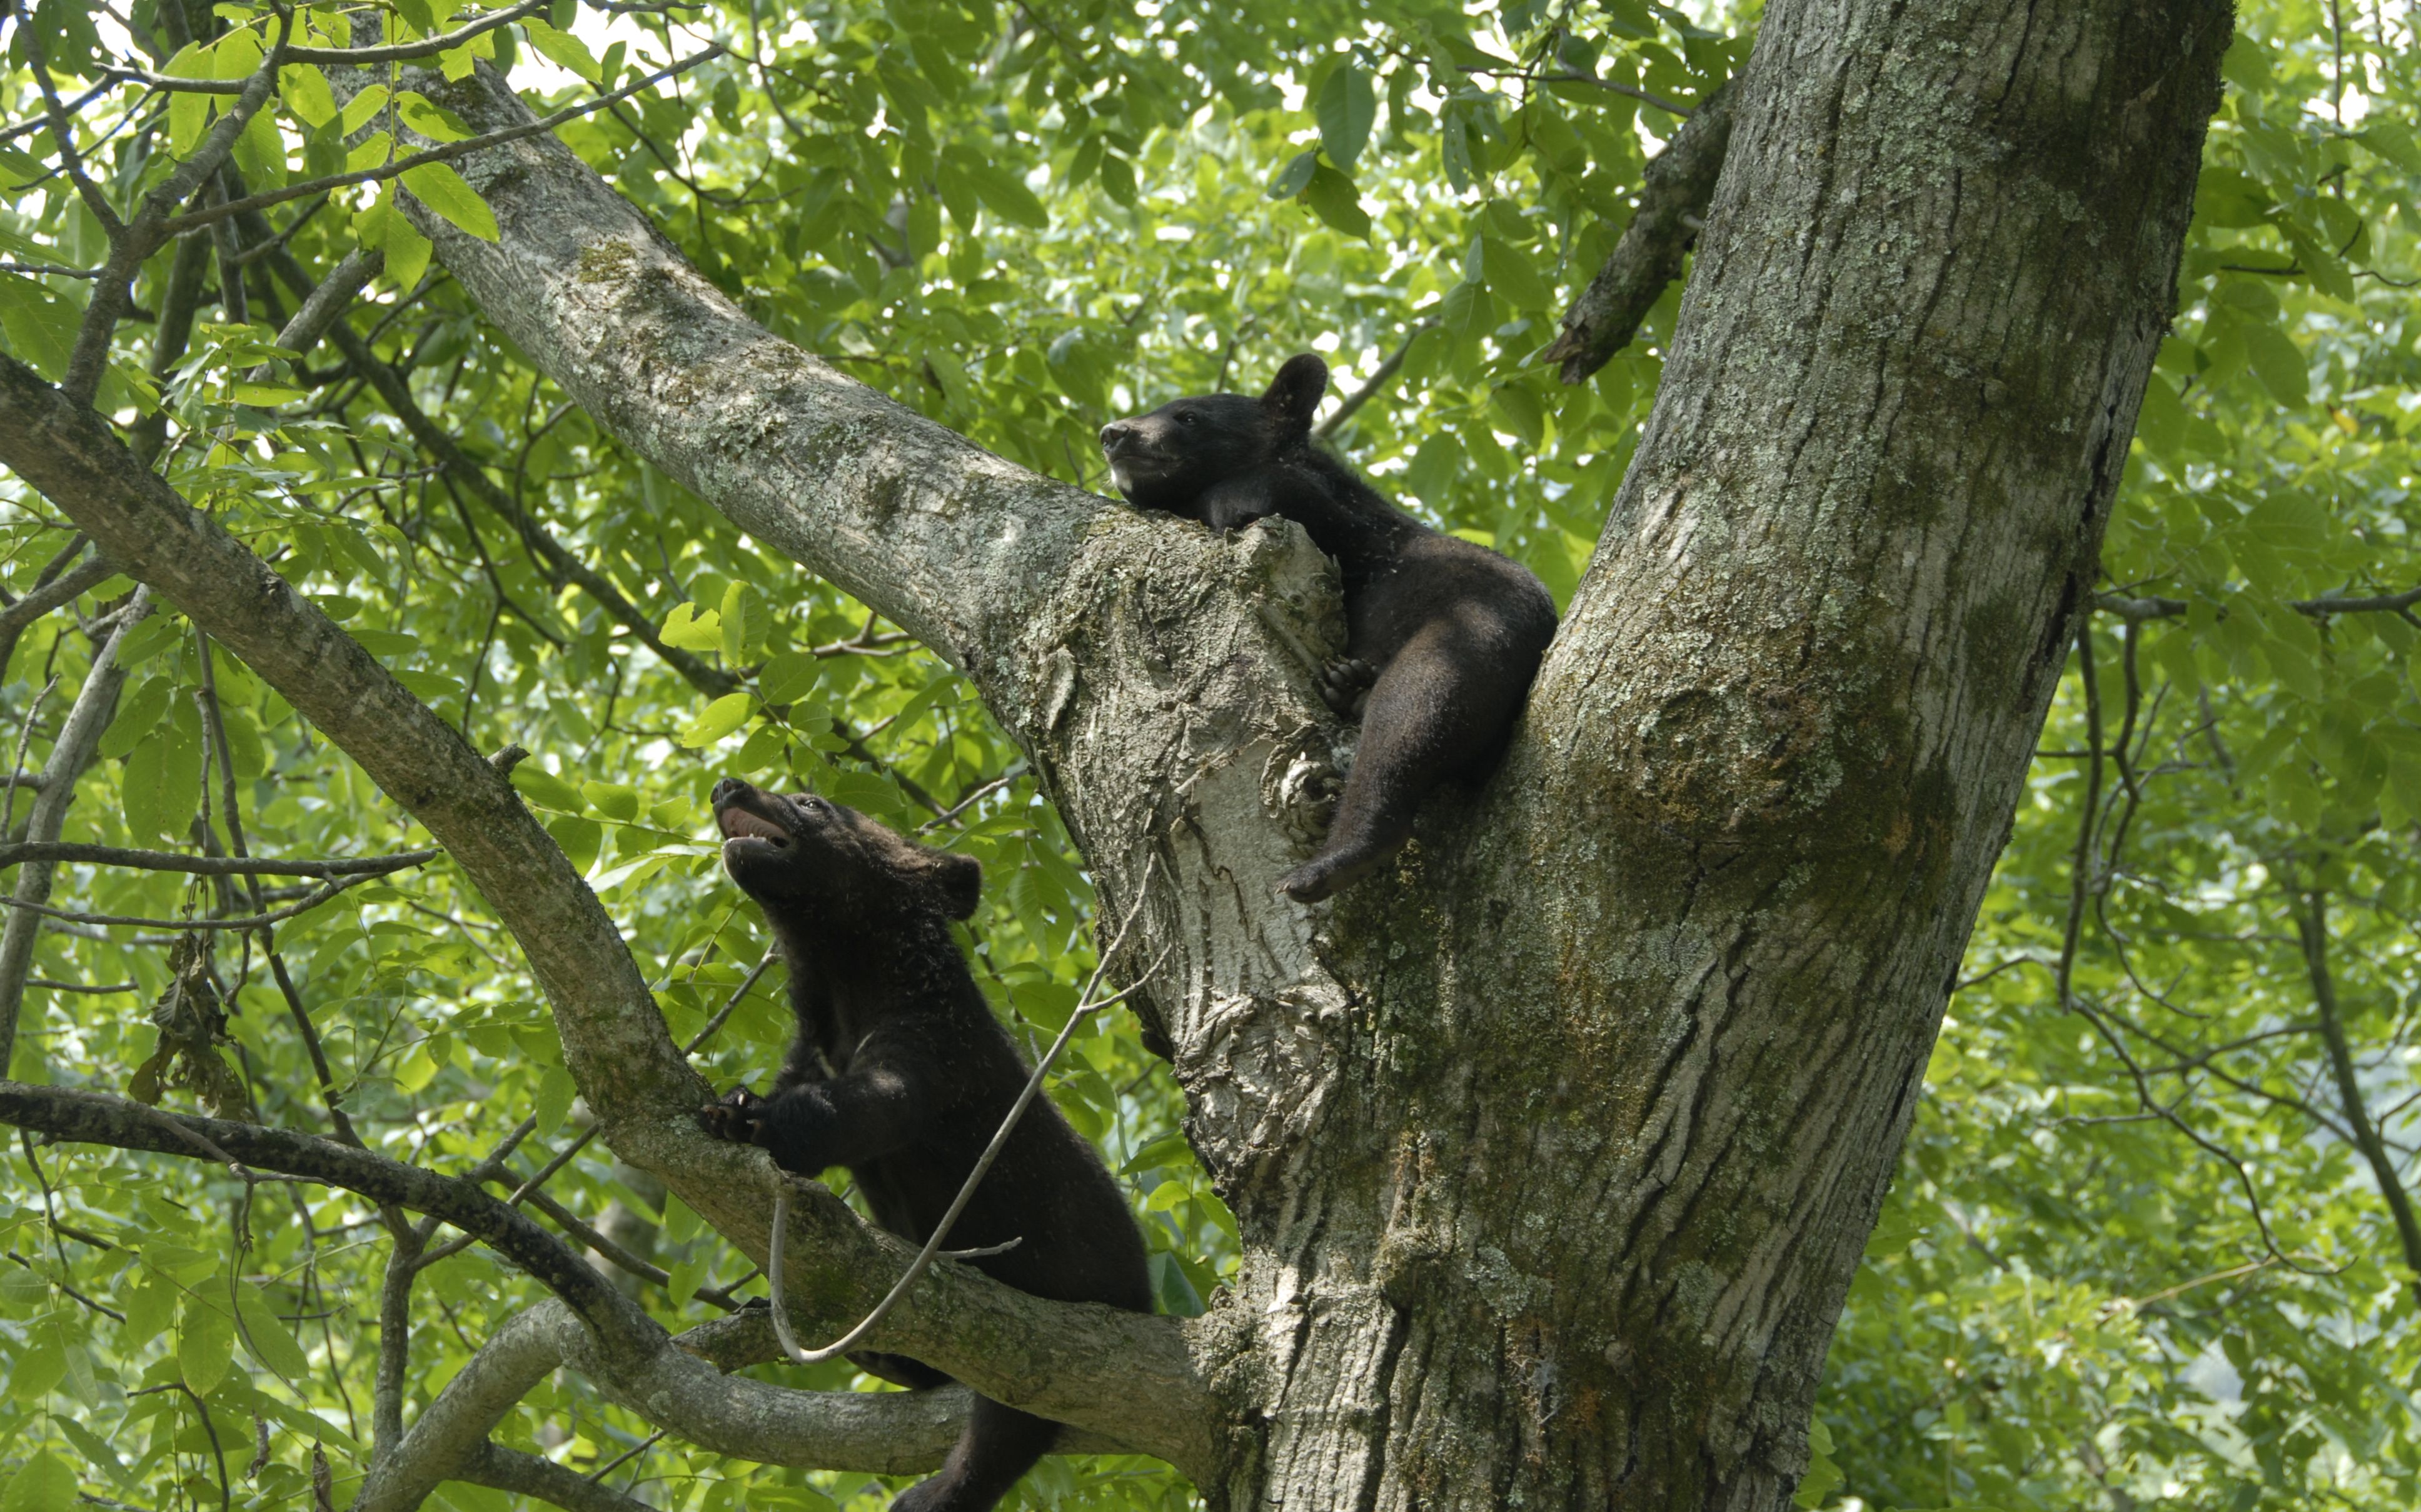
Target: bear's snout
x=1119, y=435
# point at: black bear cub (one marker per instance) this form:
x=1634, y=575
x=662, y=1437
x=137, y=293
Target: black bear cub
x=901, y=1073
x=1442, y=636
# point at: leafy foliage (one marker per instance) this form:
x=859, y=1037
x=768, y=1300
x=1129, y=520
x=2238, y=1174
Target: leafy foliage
x=2137, y=1256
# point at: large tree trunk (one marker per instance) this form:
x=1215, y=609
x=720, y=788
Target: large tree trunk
x=1626, y=1069
x=1554, y=1152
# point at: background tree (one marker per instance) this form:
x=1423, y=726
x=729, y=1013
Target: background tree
x=2149, y=1245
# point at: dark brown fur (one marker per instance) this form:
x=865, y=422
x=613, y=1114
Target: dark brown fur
x=901, y=1073
x=1442, y=636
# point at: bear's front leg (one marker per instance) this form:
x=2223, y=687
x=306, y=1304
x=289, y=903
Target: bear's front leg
x=794, y=1126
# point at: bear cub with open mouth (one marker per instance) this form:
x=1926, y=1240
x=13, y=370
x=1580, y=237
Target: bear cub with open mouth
x=900, y=1072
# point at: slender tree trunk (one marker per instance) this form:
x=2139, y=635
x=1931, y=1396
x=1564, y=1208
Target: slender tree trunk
x=1552, y=1153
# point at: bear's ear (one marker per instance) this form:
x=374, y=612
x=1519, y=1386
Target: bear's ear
x=959, y=880
x=1294, y=393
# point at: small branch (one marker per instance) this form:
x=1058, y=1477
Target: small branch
x=42, y=600
x=79, y=737
x=325, y=304
x=362, y=867
x=2312, y=923
x=313, y=900
x=2133, y=609
x=96, y=1118
x=1675, y=191
x=1626, y=90
x=2080, y=880
x=443, y=152
x=1379, y=379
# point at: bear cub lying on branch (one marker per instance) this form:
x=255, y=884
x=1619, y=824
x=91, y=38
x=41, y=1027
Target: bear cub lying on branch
x=1442, y=636
x=901, y=1073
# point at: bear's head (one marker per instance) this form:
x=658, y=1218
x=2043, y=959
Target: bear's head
x=801, y=855
x=1166, y=458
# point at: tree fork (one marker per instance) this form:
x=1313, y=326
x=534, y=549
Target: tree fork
x=1552, y=1154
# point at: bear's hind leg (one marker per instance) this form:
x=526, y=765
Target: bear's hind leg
x=1395, y=765
x=1000, y=1444
x=1439, y=710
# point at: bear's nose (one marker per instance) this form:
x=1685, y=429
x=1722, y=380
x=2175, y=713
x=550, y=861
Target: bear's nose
x=1116, y=434
x=725, y=791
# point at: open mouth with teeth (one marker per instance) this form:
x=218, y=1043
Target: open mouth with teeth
x=746, y=832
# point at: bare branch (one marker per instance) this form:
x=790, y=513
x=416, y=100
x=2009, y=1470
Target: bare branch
x=304, y=905
x=78, y=740
x=2312, y=923
x=510, y=1470
x=1676, y=191
x=1379, y=377
x=2134, y=609
x=109, y=855
x=94, y=1118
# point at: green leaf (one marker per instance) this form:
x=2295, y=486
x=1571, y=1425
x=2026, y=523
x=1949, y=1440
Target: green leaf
x=686, y=1276
x=359, y=109
x=204, y=1344
x=1347, y=106
x=2279, y=363
x=580, y=838
x=45, y=1482
x=546, y=790
x=1005, y=196
x=1510, y=276
x=306, y=91
x=443, y=191
x=1290, y=181
x=563, y=48
x=407, y=250
x=268, y=1338
x=685, y=628
x=38, y=1368
x=160, y=787
x=556, y=1090
x=616, y=800
x=789, y=677
x=1333, y=197
x=95, y=1449
x=744, y=622
x=429, y=120
x=2394, y=143
x=138, y=715
x=721, y=717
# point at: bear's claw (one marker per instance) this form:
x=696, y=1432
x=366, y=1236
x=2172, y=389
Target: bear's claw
x=1345, y=685
x=736, y=1115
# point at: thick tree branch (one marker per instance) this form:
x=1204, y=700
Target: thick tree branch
x=1672, y=198
x=1088, y=1365
x=527, y=1475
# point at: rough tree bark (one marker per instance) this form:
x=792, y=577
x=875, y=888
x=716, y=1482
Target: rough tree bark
x=1554, y=1152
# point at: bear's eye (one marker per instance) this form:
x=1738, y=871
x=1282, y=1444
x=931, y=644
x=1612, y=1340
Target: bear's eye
x=1186, y=417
